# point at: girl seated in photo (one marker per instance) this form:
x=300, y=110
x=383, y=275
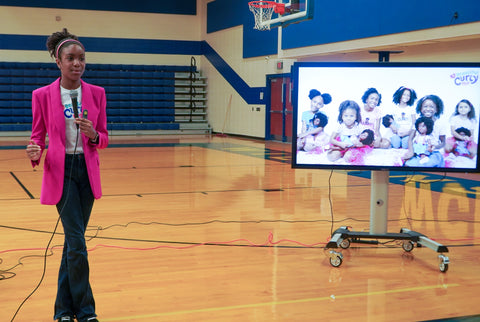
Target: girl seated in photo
x=429, y=106
x=348, y=134
x=317, y=104
x=462, y=125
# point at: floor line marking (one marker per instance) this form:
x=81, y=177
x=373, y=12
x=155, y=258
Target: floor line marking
x=254, y=305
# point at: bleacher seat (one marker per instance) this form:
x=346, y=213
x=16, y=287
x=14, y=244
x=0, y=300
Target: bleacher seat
x=139, y=97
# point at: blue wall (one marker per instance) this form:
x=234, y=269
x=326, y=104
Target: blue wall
x=370, y=18
x=333, y=21
x=181, y=7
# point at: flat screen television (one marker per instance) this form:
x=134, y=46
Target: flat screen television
x=386, y=116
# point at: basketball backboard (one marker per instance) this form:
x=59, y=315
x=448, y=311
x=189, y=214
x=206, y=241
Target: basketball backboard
x=271, y=14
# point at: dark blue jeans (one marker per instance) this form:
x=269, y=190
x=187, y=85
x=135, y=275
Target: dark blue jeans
x=74, y=294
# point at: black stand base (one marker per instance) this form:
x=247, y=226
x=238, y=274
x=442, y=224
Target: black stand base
x=342, y=238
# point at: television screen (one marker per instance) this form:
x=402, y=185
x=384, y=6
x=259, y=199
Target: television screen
x=386, y=116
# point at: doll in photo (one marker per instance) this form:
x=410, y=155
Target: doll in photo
x=356, y=155
x=423, y=142
x=316, y=141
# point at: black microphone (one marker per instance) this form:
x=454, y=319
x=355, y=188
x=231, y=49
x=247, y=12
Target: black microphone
x=73, y=96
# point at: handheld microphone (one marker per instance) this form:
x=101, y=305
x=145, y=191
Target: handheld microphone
x=73, y=96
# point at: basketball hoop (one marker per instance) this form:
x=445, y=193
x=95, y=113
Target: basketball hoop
x=263, y=11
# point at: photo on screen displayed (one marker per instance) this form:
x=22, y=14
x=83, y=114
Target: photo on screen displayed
x=394, y=116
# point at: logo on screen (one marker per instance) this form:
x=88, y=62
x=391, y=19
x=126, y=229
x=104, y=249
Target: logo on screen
x=465, y=78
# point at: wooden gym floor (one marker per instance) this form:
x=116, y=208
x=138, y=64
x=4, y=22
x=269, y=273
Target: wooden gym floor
x=210, y=228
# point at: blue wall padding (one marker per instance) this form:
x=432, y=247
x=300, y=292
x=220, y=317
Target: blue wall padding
x=259, y=43
x=226, y=14
x=22, y=42
x=108, y=45
x=142, y=46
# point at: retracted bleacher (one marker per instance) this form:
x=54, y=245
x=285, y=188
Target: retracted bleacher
x=139, y=97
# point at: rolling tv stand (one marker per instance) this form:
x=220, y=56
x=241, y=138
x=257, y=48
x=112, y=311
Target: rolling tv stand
x=343, y=237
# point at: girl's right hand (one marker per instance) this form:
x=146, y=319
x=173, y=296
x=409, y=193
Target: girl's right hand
x=33, y=151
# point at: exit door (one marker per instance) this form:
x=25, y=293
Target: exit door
x=279, y=118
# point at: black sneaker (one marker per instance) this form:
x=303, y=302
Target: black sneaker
x=65, y=319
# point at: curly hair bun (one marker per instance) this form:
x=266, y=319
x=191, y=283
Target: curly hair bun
x=56, y=38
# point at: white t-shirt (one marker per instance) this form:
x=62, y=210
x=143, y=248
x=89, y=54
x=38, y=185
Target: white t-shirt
x=370, y=118
x=441, y=128
x=457, y=122
x=70, y=126
x=402, y=116
x=349, y=135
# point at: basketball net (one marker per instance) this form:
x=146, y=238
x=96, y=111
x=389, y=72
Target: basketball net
x=262, y=11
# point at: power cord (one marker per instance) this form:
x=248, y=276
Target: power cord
x=53, y=234
x=4, y=273
x=330, y=201
x=43, y=273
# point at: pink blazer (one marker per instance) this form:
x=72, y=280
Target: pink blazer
x=47, y=112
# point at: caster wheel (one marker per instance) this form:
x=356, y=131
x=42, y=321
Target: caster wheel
x=407, y=246
x=345, y=243
x=443, y=265
x=336, y=259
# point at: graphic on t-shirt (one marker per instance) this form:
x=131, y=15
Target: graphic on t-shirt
x=68, y=110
